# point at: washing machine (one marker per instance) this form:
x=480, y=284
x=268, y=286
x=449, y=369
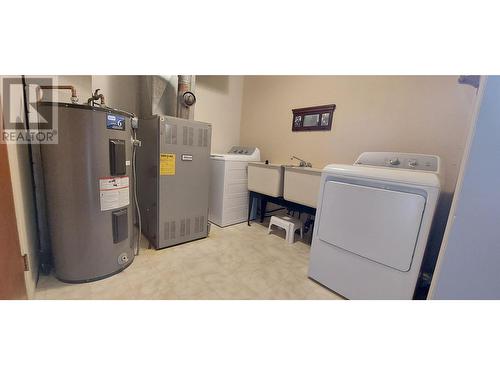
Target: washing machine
x=228, y=185
x=372, y=224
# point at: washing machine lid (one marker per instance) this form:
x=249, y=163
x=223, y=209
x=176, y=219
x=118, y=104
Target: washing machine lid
x=377, y=224
x=406, y=176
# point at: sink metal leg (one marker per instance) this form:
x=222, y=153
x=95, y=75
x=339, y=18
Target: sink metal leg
x=263, y=205
x=250, y=206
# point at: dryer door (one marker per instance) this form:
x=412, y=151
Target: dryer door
x=377, y=224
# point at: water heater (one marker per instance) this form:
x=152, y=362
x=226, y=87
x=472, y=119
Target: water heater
x=88, y=191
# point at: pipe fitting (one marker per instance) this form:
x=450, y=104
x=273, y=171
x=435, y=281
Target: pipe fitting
x=91, y=101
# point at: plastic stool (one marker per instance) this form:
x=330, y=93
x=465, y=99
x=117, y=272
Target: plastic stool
x=289, y=224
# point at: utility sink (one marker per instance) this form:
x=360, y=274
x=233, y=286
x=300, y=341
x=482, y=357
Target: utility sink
x=266, y=178
x=301, y=185
x=293, y=183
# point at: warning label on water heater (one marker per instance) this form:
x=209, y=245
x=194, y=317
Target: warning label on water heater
x=167, y=164
x=114, y=192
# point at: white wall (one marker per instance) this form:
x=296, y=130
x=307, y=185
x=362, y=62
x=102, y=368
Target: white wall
x=120, y=92
x=469, y=262
x=219, y=102
x=421, y=114
x=82, y=84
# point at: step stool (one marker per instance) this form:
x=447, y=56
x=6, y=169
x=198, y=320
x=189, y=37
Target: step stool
x=289, y=224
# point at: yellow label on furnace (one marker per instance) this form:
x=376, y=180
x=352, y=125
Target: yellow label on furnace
x=167, y=164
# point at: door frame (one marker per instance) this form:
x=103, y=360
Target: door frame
x=12, y=267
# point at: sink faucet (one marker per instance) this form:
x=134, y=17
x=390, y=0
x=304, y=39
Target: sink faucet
x=302, y=163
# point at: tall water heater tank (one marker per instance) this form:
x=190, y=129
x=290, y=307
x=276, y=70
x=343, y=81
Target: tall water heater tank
x=88, y=190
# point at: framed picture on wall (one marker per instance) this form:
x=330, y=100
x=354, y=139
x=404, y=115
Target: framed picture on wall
x=313, y=118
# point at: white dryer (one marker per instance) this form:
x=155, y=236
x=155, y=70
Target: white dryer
x=372, y=224
x=229, y=185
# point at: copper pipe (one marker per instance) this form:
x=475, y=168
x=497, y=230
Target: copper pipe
x=60, y=87
x=74, y=98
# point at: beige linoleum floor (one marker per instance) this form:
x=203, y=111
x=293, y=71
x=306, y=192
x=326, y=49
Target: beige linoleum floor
x=236, y=262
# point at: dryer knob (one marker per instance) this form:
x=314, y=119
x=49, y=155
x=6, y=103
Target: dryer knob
x=394, y=161
x=412, y=163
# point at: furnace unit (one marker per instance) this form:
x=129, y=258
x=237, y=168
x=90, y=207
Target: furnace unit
x=173, y=167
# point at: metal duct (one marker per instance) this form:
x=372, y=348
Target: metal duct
x=185, y=97
x=159, y=95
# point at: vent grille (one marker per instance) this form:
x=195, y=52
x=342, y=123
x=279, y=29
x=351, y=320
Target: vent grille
x=169, y=230
x=205, y=137
x=200, y=137
x=191, y=135
x=168, y=135
x=172, y=230
x=183, y=227
x=188, y=136
x=174, y=134
x=199, y=224
x=171, y=134
x=196, y=224
x=184, y=135
x=166, y=231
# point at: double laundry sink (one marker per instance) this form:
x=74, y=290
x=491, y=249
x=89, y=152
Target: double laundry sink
x=293, y=183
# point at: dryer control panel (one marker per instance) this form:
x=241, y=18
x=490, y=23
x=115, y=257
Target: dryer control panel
x=419, y=162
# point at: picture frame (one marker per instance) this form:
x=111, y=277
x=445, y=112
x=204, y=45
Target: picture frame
x=318, y=118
